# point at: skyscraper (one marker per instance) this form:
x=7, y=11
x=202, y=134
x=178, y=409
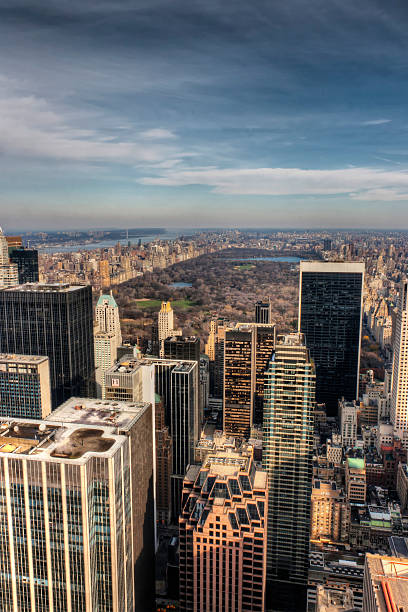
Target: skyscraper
x=130, y=380
x=182, y=347
x=247, y=350
x=131, y=472
x=164, y=464
x=107, y=338
x=214, y=348
x=26, y=261
x=25, y=386
x=105, y=349
x=263, y=312
x=165, y=321
x=287, y=457
x=330, y=311
x=107, y=316
x=8, y=271
x=54, y=321
x=177, y=383
x=399, y=390
x=223, y=534
x=62, y=546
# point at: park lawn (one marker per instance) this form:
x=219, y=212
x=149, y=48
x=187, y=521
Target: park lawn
x=148, y=304
x=177, y=304
x=183, y=304
x=244, y=267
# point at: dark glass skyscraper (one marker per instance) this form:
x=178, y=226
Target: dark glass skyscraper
x=182, y=347
x=330, y=310
x=263, y=312
x=56, y=321
x=248, y=348
x=27, y=264
x=177, y=383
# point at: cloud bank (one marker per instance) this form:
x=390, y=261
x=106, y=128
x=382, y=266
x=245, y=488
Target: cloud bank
x=357, y=183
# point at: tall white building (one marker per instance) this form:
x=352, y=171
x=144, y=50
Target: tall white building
x=348, y=423
x=107, y=316
x=166, y=321
x=76, y=498
x=107, y=338
x=8, y=271
x=165, y=324
x=399, y=392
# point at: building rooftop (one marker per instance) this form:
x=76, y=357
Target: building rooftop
x=44, y=288
x=109, y=299
x=89, y=411
x=182, y=339
x=355, y=463
x=293, y=339
x=53, y=441
x=353, y=267
x=128, y=365
x=389, y=579
x=23, y=359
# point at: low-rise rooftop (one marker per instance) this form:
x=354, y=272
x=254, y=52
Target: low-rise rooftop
x=89, y=411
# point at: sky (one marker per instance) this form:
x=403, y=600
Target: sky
x=176, y=113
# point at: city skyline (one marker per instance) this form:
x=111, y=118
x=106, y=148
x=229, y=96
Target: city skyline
x=281, y=115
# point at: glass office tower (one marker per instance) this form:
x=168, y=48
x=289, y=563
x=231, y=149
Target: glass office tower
x=330, y=311
x=287, y=457
x=27, y=264
x=247, y=350
x=55, y=321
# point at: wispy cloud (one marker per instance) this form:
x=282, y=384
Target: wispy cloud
x=31, y=127
x=376, y=122
x=158, y=134
x=358, y=183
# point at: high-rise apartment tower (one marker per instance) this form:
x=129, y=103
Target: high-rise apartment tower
x=399, y=390
x=289, y=399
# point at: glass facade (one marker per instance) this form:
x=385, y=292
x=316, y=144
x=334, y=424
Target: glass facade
x=55, y=321
x=27, y=264
x=247, y=351
x=287, y=458
x=330, y=317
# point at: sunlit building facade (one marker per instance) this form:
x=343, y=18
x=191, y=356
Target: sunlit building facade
x=223, y=534
x=66, y=523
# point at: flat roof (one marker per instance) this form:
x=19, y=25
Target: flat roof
x=44, y=288
x=355, y=463
x=27, y=359
x=353, y=267
x=128, y=365
x=44, y=440
x=388, y=576
x=90, y=411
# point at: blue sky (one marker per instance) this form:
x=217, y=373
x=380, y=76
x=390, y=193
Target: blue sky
x=190, y=113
